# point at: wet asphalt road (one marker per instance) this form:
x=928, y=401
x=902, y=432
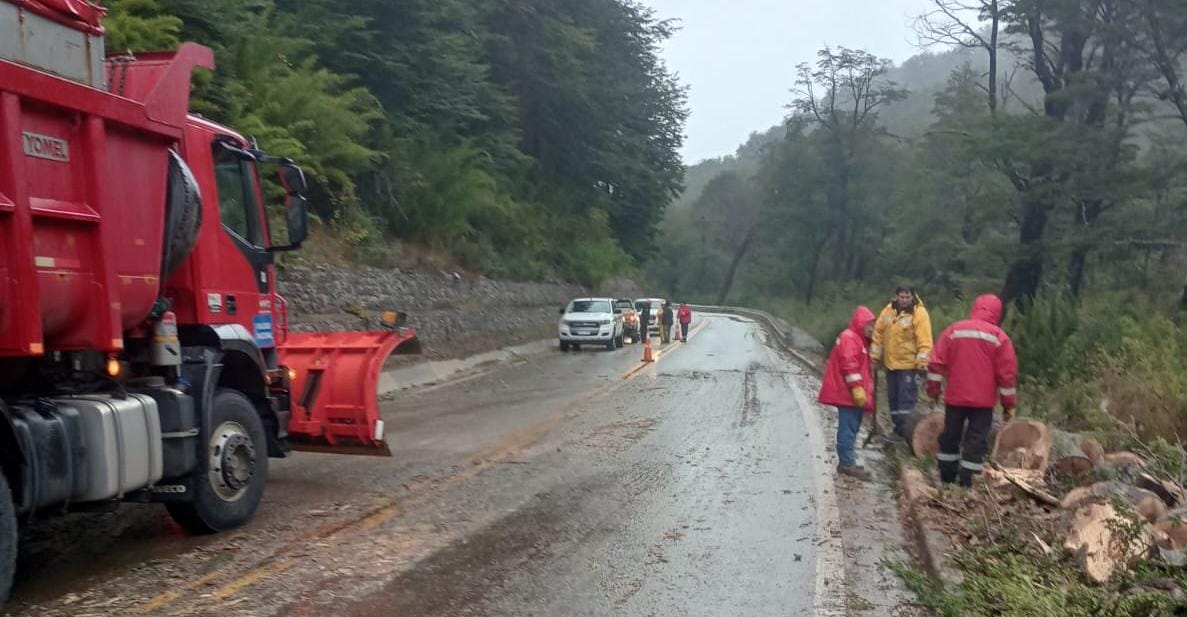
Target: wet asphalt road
x=572, y=484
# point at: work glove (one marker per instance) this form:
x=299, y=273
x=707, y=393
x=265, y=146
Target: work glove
x=859, y=396
x=1008, y=414
x=933, y=390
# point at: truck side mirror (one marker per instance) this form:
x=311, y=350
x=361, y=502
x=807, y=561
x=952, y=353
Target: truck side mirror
x=296, y=206
x=292, y=179
x=297, y=215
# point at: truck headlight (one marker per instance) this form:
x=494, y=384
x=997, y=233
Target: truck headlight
x=606, y=322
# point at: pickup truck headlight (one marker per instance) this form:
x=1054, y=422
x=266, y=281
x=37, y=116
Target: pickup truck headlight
x=606, y=322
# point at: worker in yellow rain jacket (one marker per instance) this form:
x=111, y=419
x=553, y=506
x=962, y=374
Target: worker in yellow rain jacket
x=902, y=343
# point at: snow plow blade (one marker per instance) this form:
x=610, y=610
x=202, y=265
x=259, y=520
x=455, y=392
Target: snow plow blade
x=335, y=379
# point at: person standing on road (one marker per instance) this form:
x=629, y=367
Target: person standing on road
x=684, y=316
x=848, y=384
x=668, y=318
x=645, y=321
x=973, y=366
x=902, y=343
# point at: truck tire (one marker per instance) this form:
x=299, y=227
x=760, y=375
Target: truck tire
x=8, y=540
x=231, y=471
x=183, y=216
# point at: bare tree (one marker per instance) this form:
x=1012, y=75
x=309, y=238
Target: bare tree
x=960, y=23
x=842, y=94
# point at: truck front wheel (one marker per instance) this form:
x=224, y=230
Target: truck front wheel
x=231, y=474
x=8, y=542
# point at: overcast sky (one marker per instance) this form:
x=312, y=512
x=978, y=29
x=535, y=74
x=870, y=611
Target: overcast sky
x=738, y=56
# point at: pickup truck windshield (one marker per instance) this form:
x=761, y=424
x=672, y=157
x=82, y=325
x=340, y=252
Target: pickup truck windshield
x=589, y=306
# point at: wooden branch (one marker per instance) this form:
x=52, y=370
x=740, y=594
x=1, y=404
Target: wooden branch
x=1028, y=488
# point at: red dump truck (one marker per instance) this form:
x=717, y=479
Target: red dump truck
x=144, y=352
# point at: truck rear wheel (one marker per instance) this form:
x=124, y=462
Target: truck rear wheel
x=232, y=471
x=8, y=540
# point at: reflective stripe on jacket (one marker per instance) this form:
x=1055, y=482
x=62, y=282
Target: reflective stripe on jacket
x=849, y=365
x=903, y=339
x=974, y=360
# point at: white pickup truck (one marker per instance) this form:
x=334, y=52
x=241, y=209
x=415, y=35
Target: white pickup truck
x=591, y=321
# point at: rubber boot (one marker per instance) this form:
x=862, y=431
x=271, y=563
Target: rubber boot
x=966, y=477
x=948, y=471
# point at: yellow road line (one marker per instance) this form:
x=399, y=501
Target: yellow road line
x=656, y=355
x=252, y=577
x=156, y=603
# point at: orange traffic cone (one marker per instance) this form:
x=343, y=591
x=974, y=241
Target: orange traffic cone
x=647, y=357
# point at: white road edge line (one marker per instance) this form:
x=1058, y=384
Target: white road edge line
x=829, y=601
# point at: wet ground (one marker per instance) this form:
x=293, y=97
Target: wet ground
x=572, y=484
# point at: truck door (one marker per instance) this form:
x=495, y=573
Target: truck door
x=243, y=285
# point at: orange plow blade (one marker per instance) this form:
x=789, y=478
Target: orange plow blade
x=335, y=381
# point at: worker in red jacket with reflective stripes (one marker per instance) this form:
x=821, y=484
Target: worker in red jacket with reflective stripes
x=849, y=386
x=973, y=364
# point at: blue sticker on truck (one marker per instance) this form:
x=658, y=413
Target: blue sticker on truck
x=261, y=326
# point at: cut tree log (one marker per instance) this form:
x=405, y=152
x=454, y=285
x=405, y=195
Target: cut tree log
x=1125, y=466
x=1124, y=459
x=1174, y=533
x=1092, y=449
x=1024, y=444
x=1065, y=444
x=1147, y=504
x=924, y=430
x=1171, y=493
x=1076, y=467
x=1098, y=540
x=1016, y=478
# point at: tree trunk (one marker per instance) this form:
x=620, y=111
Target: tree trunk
x=813, y=275
x=1026, y=272
x=1075, y=270
x=994, y=28
x=1183, y=302
x=728, y=283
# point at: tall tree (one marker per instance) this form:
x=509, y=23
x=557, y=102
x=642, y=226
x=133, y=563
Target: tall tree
x=841, y=95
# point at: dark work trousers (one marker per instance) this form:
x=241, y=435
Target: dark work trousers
x=684, y=332
x=902, y=392
x=964, y=443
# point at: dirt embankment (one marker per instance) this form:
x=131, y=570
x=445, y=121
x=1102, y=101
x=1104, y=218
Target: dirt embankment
x=454, y=315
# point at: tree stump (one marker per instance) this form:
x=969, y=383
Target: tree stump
x=924, y=431
x=1024, y=444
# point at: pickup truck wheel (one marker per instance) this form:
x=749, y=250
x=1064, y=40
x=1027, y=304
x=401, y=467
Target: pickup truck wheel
x=564, y=346
x=8, y=540
x=232, y=471
x=619, y=342
x=613, y=344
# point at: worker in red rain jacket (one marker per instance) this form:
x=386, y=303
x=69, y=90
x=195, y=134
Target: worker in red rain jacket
x=848, y=386
x=973, y=364
x=684, y=316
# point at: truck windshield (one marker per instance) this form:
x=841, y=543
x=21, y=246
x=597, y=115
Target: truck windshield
x=237, y=195
x=589, y=306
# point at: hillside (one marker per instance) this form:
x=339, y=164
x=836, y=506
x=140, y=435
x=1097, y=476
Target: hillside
x=924, y=75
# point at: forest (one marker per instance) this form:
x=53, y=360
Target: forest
x=528, y=139
x=1035, y=149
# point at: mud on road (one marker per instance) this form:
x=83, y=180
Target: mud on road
x=574, y=484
